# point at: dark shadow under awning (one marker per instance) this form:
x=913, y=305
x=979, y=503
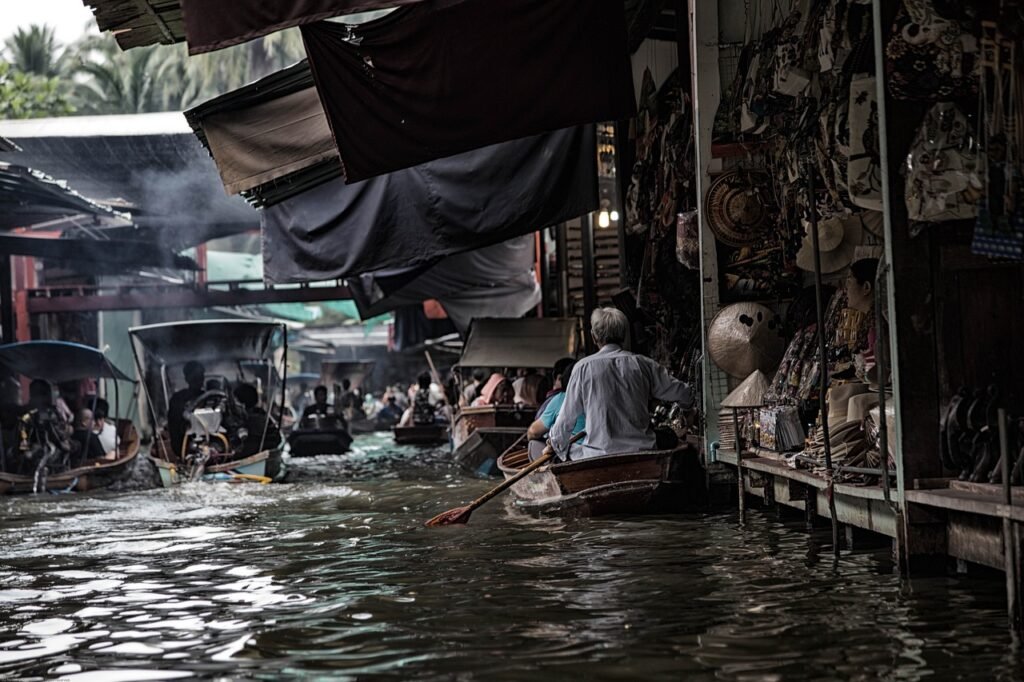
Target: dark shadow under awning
x=533, y=343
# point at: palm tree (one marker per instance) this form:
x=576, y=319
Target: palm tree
x=35, y=50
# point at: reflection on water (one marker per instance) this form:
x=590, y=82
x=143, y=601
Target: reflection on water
x=333, y=576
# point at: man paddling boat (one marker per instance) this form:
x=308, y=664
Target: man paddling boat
x=613, y=389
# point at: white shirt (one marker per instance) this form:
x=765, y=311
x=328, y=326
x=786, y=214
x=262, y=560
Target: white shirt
x=108, y=437
x=612, y=389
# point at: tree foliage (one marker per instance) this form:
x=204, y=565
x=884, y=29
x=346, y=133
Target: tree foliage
x=94, y=76
x=25, y=95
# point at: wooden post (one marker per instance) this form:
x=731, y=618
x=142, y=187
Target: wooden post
x=741, y=491
x=8, y=333
x=1009, y=531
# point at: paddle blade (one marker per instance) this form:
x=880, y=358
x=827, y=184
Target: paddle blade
x=459, y=515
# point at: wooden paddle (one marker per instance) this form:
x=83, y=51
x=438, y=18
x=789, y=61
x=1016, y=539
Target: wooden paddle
x=460, y=515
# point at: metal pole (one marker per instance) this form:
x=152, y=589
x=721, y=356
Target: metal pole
x=823, y=378
x=739, y=466
x=1009, y=529
x=881, y=365
x=589, y=274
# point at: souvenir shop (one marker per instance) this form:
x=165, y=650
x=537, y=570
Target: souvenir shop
x=860, y=242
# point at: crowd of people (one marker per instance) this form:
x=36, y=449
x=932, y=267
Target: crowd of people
x=62, y=429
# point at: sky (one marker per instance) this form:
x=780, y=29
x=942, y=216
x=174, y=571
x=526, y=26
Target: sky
x=68, y=17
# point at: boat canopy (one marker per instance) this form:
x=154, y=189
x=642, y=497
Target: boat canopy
x=334, y=371
x=176, y=343
x=59, y=361
x=531, y=343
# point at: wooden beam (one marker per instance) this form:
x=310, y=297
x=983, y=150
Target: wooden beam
x=180, y=297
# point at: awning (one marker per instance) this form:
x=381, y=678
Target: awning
x=269, y=139
x=97, y=255
x=215, y=25
x=135, y=23
x=59, y=361
x=28, y=197
x=444, y=77
x=335, y=371
x=449, y=206
x=496, y=281
x=533, y=343
x=151, y=163
x=176, y=343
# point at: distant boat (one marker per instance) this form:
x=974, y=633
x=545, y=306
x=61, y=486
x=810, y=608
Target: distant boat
x=429, y=434
x=58, y=362
x=225, y=440
x=481, y=434
x=649, y=482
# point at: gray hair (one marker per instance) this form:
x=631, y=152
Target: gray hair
x=609, y=325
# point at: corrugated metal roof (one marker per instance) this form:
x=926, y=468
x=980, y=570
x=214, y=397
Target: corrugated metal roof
x=28, y=197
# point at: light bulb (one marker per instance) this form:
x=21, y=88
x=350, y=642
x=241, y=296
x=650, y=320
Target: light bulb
x=603, y=220
x=615, y=216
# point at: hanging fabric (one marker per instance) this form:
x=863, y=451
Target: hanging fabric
x=214, y=25
x=864, y=169
x=416, y=216
x=447, y=76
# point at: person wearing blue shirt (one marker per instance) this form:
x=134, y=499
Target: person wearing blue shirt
x=549, y=414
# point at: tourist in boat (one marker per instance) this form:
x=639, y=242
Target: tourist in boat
x=262, y=432
x=177, y=420
x=86, y=445
x=424, y=406
x=613, y=388
x=497, y=391
x=103, y=426
x=391, y=413
x=540, y=428
x=472, y=390
x=350, y=401
x=320, y=414
x=530, y=389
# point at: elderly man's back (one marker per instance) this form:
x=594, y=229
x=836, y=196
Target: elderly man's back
x=613, y=388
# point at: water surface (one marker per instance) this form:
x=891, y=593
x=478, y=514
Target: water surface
x=333, y=576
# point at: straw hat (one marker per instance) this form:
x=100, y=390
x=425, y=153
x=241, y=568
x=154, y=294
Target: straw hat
x=745, y=337
x=838, y=237
x=839, y=402
x=750, y=393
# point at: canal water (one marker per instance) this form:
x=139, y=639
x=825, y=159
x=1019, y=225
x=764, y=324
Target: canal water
x=333, y=576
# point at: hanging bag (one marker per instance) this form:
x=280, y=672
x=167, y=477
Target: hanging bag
x=944, y=168
x=929, y=56
x=864, y=169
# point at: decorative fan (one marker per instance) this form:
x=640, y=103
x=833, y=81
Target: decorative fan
x=738, y=208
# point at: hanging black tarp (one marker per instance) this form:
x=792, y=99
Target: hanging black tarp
x=496, y=281
x=214, y=25
x=417, y=216
x=445, y=76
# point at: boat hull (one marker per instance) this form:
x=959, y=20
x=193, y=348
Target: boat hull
x=93, y=476
x=634, y=483
x=310, y=443
x=480, y=452
x=433, y=434
x=262, y=465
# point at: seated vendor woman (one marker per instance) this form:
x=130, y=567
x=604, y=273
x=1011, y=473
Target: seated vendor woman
x=538, y=431
x=320, y=415
x=614, y=388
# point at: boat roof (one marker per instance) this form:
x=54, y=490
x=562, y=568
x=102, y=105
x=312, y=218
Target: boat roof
x=209, y=340
x=59, y=361
x=356, y=371
x=532, y=343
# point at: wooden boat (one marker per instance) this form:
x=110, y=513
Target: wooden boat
x=481, y=434
x=478, y=442
x=634, y=483
x=92, y=475
x=312, y=442
x=431, y=434
x=59, y=362
x=226, y=441
x=364, y=426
